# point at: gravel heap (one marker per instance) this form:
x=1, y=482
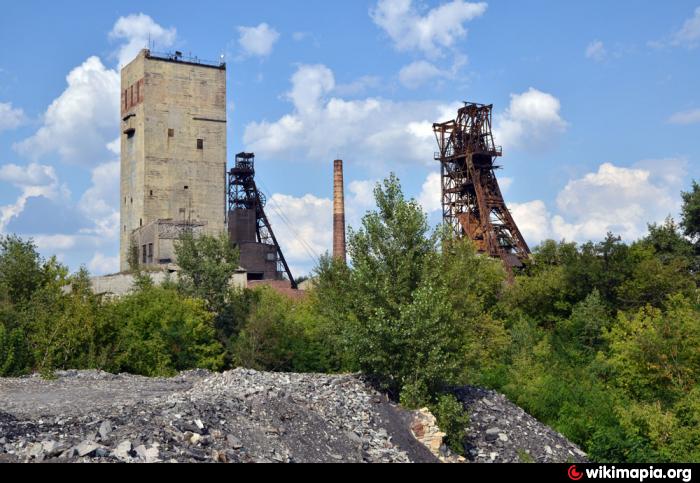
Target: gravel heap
x=245, y=416
x=501, y=432
x=237, y=416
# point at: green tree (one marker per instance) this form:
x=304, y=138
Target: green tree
x=161, y=332
x=655, y=354
x=207, y=265
x=690, y=212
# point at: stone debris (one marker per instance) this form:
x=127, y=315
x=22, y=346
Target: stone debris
x=501, y=432
x=425, y=429
x=197, y=416
x=248, y=416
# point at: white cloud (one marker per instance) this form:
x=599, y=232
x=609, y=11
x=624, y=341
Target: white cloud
x=101, y=264
x=685, y=117
x=530, y=122
x=134, y=31
x=34, y=180
x=421, y=72
x=438, y=28
x=303, y=226
x=431, y=193
x=418, y=73
x=596, y=51
x=370, y=131
x=357, y=86
x=82, y=120
x=10, y=117
x=613, y=199
x=533, y=220
x=257, y=41
x=689, y=34
x=100, y=202
x=504, y=182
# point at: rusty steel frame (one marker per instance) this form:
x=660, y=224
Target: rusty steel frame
x=472, y=202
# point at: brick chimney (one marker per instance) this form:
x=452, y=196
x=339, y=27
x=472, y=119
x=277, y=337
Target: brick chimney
x=338, y=212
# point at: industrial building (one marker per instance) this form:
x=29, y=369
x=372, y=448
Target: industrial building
x=173, y=172
x=173, y=154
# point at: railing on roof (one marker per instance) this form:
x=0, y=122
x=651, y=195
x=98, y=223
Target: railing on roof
x=177, y=56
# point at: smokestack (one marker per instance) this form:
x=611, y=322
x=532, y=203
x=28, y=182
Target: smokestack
x=338, y=212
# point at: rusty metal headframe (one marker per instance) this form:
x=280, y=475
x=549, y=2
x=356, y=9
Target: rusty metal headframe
x=243, y=193
x=472, y=203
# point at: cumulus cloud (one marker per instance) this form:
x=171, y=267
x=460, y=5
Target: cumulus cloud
x=431, y=193
x=689, y=33
x=303, y=226
x=33, y=181
x=371, y=131
x=80, y=122
x=428, y=32
x=614, y=199
x=10, y=117
x=134, y=31
x=533, y=220
x=257, y=41
x=685, y=117
x=100, y=202
x=101, y=264
x=531, y=120
x=596, y=51
x=422, y=72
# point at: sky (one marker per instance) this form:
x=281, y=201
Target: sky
x=596, y=105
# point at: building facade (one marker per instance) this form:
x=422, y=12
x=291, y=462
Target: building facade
x=173, y=154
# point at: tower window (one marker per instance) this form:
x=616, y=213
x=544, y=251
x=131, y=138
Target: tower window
x=171, y=133
x=200, y=143
x=143, y=256
x=187, y=187
x=151, y=192
x=140, y=221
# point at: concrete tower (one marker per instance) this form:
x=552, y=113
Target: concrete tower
x=173, y=154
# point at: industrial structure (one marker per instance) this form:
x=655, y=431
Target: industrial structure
x=472, y=203
x=249, y=228
x=173, y=154
x=338, y=212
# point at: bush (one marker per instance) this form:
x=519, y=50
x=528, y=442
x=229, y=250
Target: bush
x=161, y=333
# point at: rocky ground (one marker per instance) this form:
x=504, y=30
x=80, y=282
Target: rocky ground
x=244, y=416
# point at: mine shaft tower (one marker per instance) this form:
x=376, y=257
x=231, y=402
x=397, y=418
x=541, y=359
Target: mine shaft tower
x=249, y=227
x=472, y=203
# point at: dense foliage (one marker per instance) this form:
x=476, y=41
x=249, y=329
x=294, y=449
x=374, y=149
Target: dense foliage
x=599, y=340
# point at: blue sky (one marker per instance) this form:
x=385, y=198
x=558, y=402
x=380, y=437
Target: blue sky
x=596, y=105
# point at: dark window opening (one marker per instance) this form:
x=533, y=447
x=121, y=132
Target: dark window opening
x=171, y=133
x=150, y=253
x=151, y=192
x=140, y=221
x=255, y=276
x=132, y=200
x=130, y=133
x=187, y=187
x=124, y=228
x=143, y=256
x=200, y=143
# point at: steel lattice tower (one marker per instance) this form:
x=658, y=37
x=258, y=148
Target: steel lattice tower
x=472, y=203
x=244, y=197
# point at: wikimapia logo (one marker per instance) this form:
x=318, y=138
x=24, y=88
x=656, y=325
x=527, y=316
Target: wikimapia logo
x=639, y=474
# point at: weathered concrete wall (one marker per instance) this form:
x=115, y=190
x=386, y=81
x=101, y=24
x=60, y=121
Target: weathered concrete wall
x=173, y=163
x=122, y=283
